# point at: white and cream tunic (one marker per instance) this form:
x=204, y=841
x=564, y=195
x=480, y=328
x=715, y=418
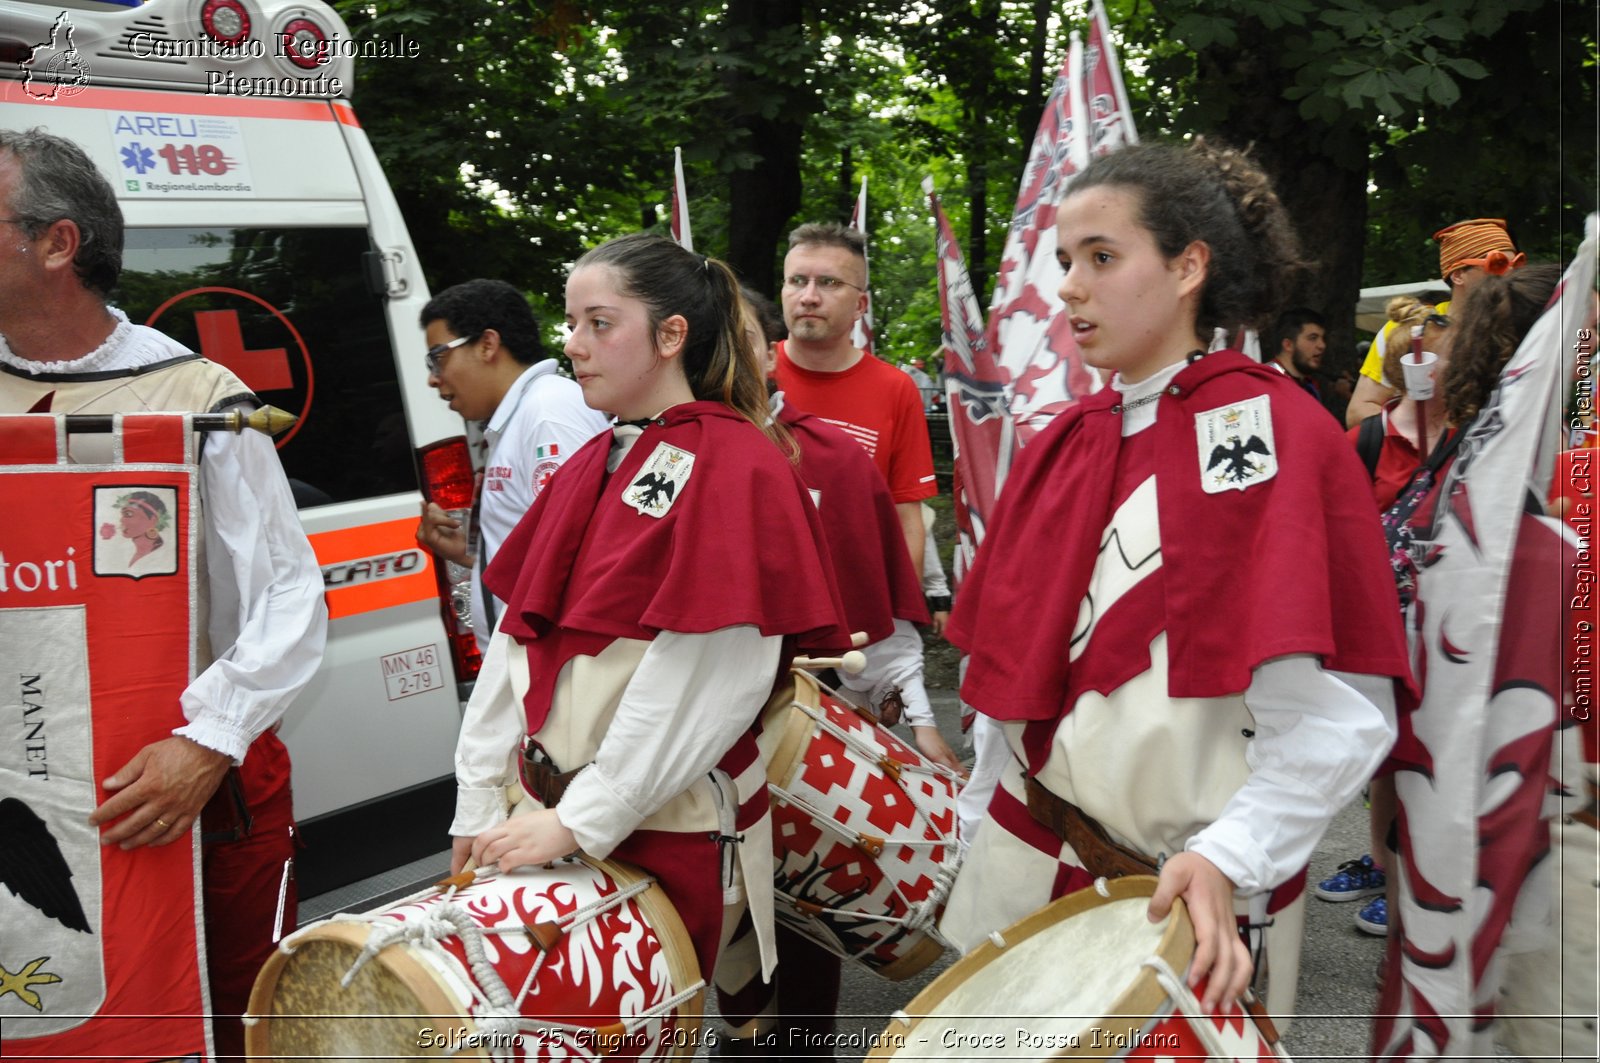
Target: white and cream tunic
x=261, y=616
x=1250, y=782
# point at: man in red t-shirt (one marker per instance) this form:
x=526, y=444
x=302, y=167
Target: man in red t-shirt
x=823, y=373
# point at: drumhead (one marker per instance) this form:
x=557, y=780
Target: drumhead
x=1061, y=972
x=394, y=1006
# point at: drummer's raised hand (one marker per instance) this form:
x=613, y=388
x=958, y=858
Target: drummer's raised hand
x=931, y=744
x=536, y=838
x=1219, y=951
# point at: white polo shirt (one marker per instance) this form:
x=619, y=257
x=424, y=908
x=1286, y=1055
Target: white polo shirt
x=541, y=422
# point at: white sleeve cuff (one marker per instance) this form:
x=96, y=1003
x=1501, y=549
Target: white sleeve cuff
x=1237, y=854
x=218, y=735
x=477, y=809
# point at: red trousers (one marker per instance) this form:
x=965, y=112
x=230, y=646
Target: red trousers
x=247, y=865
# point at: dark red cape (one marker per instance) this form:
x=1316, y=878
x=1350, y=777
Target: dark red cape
x=1296, y=564
x=741, y=544
x=868, y=547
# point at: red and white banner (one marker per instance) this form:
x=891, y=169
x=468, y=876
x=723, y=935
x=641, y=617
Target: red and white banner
x=1487, y=629
x=974, y=389
x=1108, y=99
x=1030, y=337
x=862, y=334
x=100, y=949
x=680, y=204
x=1034, y=367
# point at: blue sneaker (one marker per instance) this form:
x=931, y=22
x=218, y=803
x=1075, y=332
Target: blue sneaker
x=1373, y=918
x=1356, y=880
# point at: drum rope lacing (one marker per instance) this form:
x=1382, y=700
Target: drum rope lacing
x=920, y=915
x=496, y=1012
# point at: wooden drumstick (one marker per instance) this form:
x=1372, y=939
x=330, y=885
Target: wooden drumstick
x=858, y=639
x=852, y=662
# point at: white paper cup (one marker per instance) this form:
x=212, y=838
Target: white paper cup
x=1419, y=370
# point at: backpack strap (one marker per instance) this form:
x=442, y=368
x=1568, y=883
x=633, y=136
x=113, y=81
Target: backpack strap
x=1369, y=443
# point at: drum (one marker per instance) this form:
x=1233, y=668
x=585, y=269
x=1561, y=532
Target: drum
x=581, y=958
x=863, y=831
x=1088, y=975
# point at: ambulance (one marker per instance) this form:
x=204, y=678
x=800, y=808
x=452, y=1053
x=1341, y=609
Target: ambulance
x=261, y=232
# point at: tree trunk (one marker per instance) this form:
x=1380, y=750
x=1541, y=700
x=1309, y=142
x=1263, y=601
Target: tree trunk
x=762, y=200
x=1320, y=176
x=979, y=149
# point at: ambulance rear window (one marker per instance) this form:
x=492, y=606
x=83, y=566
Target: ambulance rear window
x=289, y=311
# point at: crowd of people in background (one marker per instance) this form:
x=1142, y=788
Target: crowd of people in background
x=1179, y=691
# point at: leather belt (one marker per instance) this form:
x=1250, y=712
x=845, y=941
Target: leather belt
x=1099, y=855
x=541, y=779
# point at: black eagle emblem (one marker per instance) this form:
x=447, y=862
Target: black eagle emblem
x=652, y=487
x=1236, y=454
x=32, y=867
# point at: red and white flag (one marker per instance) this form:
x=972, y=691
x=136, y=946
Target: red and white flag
x=1475, y=759
x=1108, y=98
x=862, y=334
x=100, y=955
x=974, y=388
x=680, y=204
x=1031, y=339
x=1030, y=367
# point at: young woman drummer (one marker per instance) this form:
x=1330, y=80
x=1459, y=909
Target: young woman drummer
x=654, y=594
x=1182, y=614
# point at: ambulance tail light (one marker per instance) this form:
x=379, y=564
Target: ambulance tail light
x=226, y=21
x=447, y=481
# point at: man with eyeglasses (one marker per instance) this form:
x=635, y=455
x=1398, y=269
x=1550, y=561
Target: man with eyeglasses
x=823, y=373
x=486, y=360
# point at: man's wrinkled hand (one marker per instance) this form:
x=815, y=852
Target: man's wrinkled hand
x=157, y=796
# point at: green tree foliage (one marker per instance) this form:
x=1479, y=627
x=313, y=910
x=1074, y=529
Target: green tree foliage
x=527, y=132
x=1389, y=118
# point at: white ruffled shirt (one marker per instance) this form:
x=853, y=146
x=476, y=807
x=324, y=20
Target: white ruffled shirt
x=671, y=727
x=268, y=622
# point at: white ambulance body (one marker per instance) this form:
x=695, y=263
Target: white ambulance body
x=262, y=233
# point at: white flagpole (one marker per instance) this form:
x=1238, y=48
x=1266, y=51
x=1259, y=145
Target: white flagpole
x=862, y=334
x=1108, y=56
x=680, y=204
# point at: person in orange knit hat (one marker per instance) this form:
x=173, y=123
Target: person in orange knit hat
x=1468, y=252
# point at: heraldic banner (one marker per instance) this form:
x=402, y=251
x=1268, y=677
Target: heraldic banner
x=99, y=948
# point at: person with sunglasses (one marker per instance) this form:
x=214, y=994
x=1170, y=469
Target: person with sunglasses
x=486, y=360
x=1469, y=252
x=822, y=372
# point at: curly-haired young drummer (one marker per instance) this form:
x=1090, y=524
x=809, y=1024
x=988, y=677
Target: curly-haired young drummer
x=1183, y=613
x=653, y=594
